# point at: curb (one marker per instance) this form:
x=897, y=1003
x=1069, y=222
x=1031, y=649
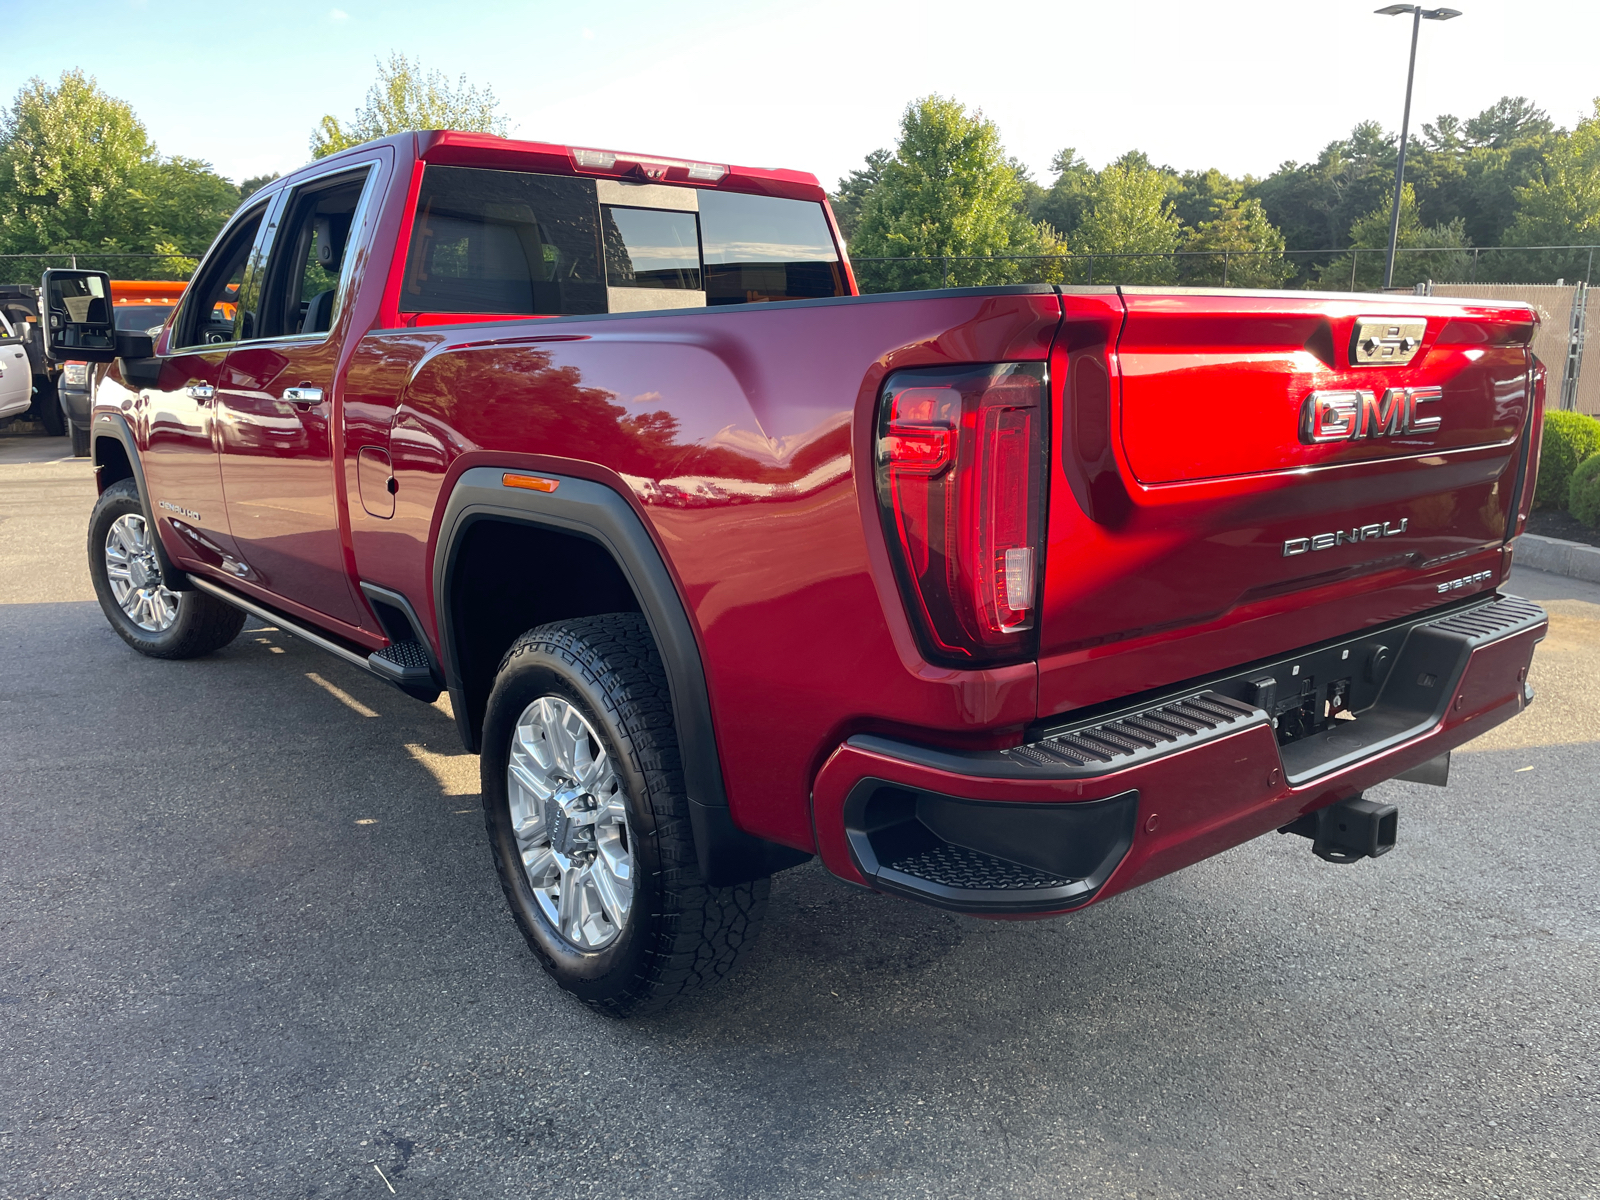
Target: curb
x=1559, y=557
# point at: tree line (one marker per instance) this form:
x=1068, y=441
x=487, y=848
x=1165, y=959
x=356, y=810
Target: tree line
x=948, y=191
x=79, y=174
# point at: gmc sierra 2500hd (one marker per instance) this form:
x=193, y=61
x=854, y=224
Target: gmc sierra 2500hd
x=1004, y=599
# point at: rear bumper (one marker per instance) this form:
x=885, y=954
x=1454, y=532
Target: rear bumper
x=1087, y=810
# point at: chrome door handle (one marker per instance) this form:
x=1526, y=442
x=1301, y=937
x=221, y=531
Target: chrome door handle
x=200, y=391
x=305, y=397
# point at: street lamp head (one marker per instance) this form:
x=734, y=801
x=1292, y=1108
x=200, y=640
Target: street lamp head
x=1427, y=14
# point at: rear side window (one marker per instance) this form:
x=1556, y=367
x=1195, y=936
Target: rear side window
x=514, y=243
x=763, y=248
x=503, y=242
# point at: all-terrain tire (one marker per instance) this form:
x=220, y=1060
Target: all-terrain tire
x=203, y=623
x=679, y=933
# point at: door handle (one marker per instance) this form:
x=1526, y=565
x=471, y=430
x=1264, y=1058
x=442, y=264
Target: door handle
x=200, y=391
x=304, y=397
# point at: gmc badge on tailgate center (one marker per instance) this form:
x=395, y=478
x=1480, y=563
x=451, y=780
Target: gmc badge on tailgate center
x=1351, y=416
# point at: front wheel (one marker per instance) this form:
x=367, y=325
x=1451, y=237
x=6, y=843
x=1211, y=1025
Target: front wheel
x=589, y=823
x=148, y=615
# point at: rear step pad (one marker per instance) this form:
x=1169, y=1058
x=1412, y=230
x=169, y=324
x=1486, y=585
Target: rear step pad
x=1163, y=727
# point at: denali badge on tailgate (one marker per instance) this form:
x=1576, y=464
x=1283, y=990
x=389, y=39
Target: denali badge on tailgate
x=1351, y=416
x=1327, y=541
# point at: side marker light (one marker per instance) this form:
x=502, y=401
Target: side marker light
x=533, y=483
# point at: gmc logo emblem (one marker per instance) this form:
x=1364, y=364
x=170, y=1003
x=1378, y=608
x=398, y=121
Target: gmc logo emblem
x=1351, y=416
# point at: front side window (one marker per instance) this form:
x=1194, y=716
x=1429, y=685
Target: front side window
x=312, y=249
x=210, y=307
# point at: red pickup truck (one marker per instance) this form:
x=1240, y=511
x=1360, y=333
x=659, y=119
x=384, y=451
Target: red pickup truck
x=1001, y=599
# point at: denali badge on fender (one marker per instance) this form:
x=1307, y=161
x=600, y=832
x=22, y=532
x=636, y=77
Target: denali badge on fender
x=1327, y=541
x=1351, y=416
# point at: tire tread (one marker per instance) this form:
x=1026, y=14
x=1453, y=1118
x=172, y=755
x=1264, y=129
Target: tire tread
x=699, y=932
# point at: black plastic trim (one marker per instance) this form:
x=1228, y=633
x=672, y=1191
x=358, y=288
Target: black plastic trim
x=1041, y=857
x=424, y=684
x=579, y=506
x=115, y=425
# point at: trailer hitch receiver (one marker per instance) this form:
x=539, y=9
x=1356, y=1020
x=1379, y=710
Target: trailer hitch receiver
x=1350, y=830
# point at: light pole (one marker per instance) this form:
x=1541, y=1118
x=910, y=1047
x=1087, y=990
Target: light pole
x=1418, y=16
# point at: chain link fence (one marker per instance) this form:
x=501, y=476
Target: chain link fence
x=1348, y=270
x=26, y=268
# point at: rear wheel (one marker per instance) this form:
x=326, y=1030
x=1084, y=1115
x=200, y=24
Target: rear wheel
x=589, y=823
x=126, y=570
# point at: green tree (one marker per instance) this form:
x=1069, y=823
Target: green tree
x=404, y=98
x=254, y=184
x=69, y=155
x=947, y=190
x=1197, y=195
x=1129, y=214
x=1066, y=200
x=1316, y=203
x=854, y=189
x=1238, y=246
x=79, y=175
x=1449, y=261
x=1560, y=206
x=1473, y=169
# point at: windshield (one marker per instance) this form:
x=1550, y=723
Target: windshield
x=136, y=318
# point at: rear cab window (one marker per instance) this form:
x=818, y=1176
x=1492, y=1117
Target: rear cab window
x=489, y=243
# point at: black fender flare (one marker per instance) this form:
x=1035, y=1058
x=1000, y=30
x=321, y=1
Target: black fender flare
x=115, y=426
x=727, y=854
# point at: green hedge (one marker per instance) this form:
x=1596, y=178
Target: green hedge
x=1569, y=438
x=1584, y=496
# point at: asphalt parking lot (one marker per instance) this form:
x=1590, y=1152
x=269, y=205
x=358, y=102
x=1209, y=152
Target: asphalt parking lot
x=251, y=944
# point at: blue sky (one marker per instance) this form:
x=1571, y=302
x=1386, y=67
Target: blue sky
x=816, y=84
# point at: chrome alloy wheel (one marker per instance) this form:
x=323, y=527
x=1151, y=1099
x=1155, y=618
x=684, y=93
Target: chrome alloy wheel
x=135, y=575
x=570, y=817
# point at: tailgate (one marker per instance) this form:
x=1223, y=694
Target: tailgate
x=1237, y=475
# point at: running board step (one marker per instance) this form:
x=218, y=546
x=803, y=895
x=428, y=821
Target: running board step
x=404, y=664
x=398, y=672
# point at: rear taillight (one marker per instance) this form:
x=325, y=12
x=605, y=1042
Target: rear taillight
x=959, y=457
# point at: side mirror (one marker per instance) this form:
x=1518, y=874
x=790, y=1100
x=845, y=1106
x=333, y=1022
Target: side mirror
x=25, y=331
x=75, y=316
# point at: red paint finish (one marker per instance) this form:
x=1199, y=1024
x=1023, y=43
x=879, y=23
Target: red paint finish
x=1182, y=481
x=743, y=437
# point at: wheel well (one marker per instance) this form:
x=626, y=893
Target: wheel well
x=110, y=462
x=507, y=578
